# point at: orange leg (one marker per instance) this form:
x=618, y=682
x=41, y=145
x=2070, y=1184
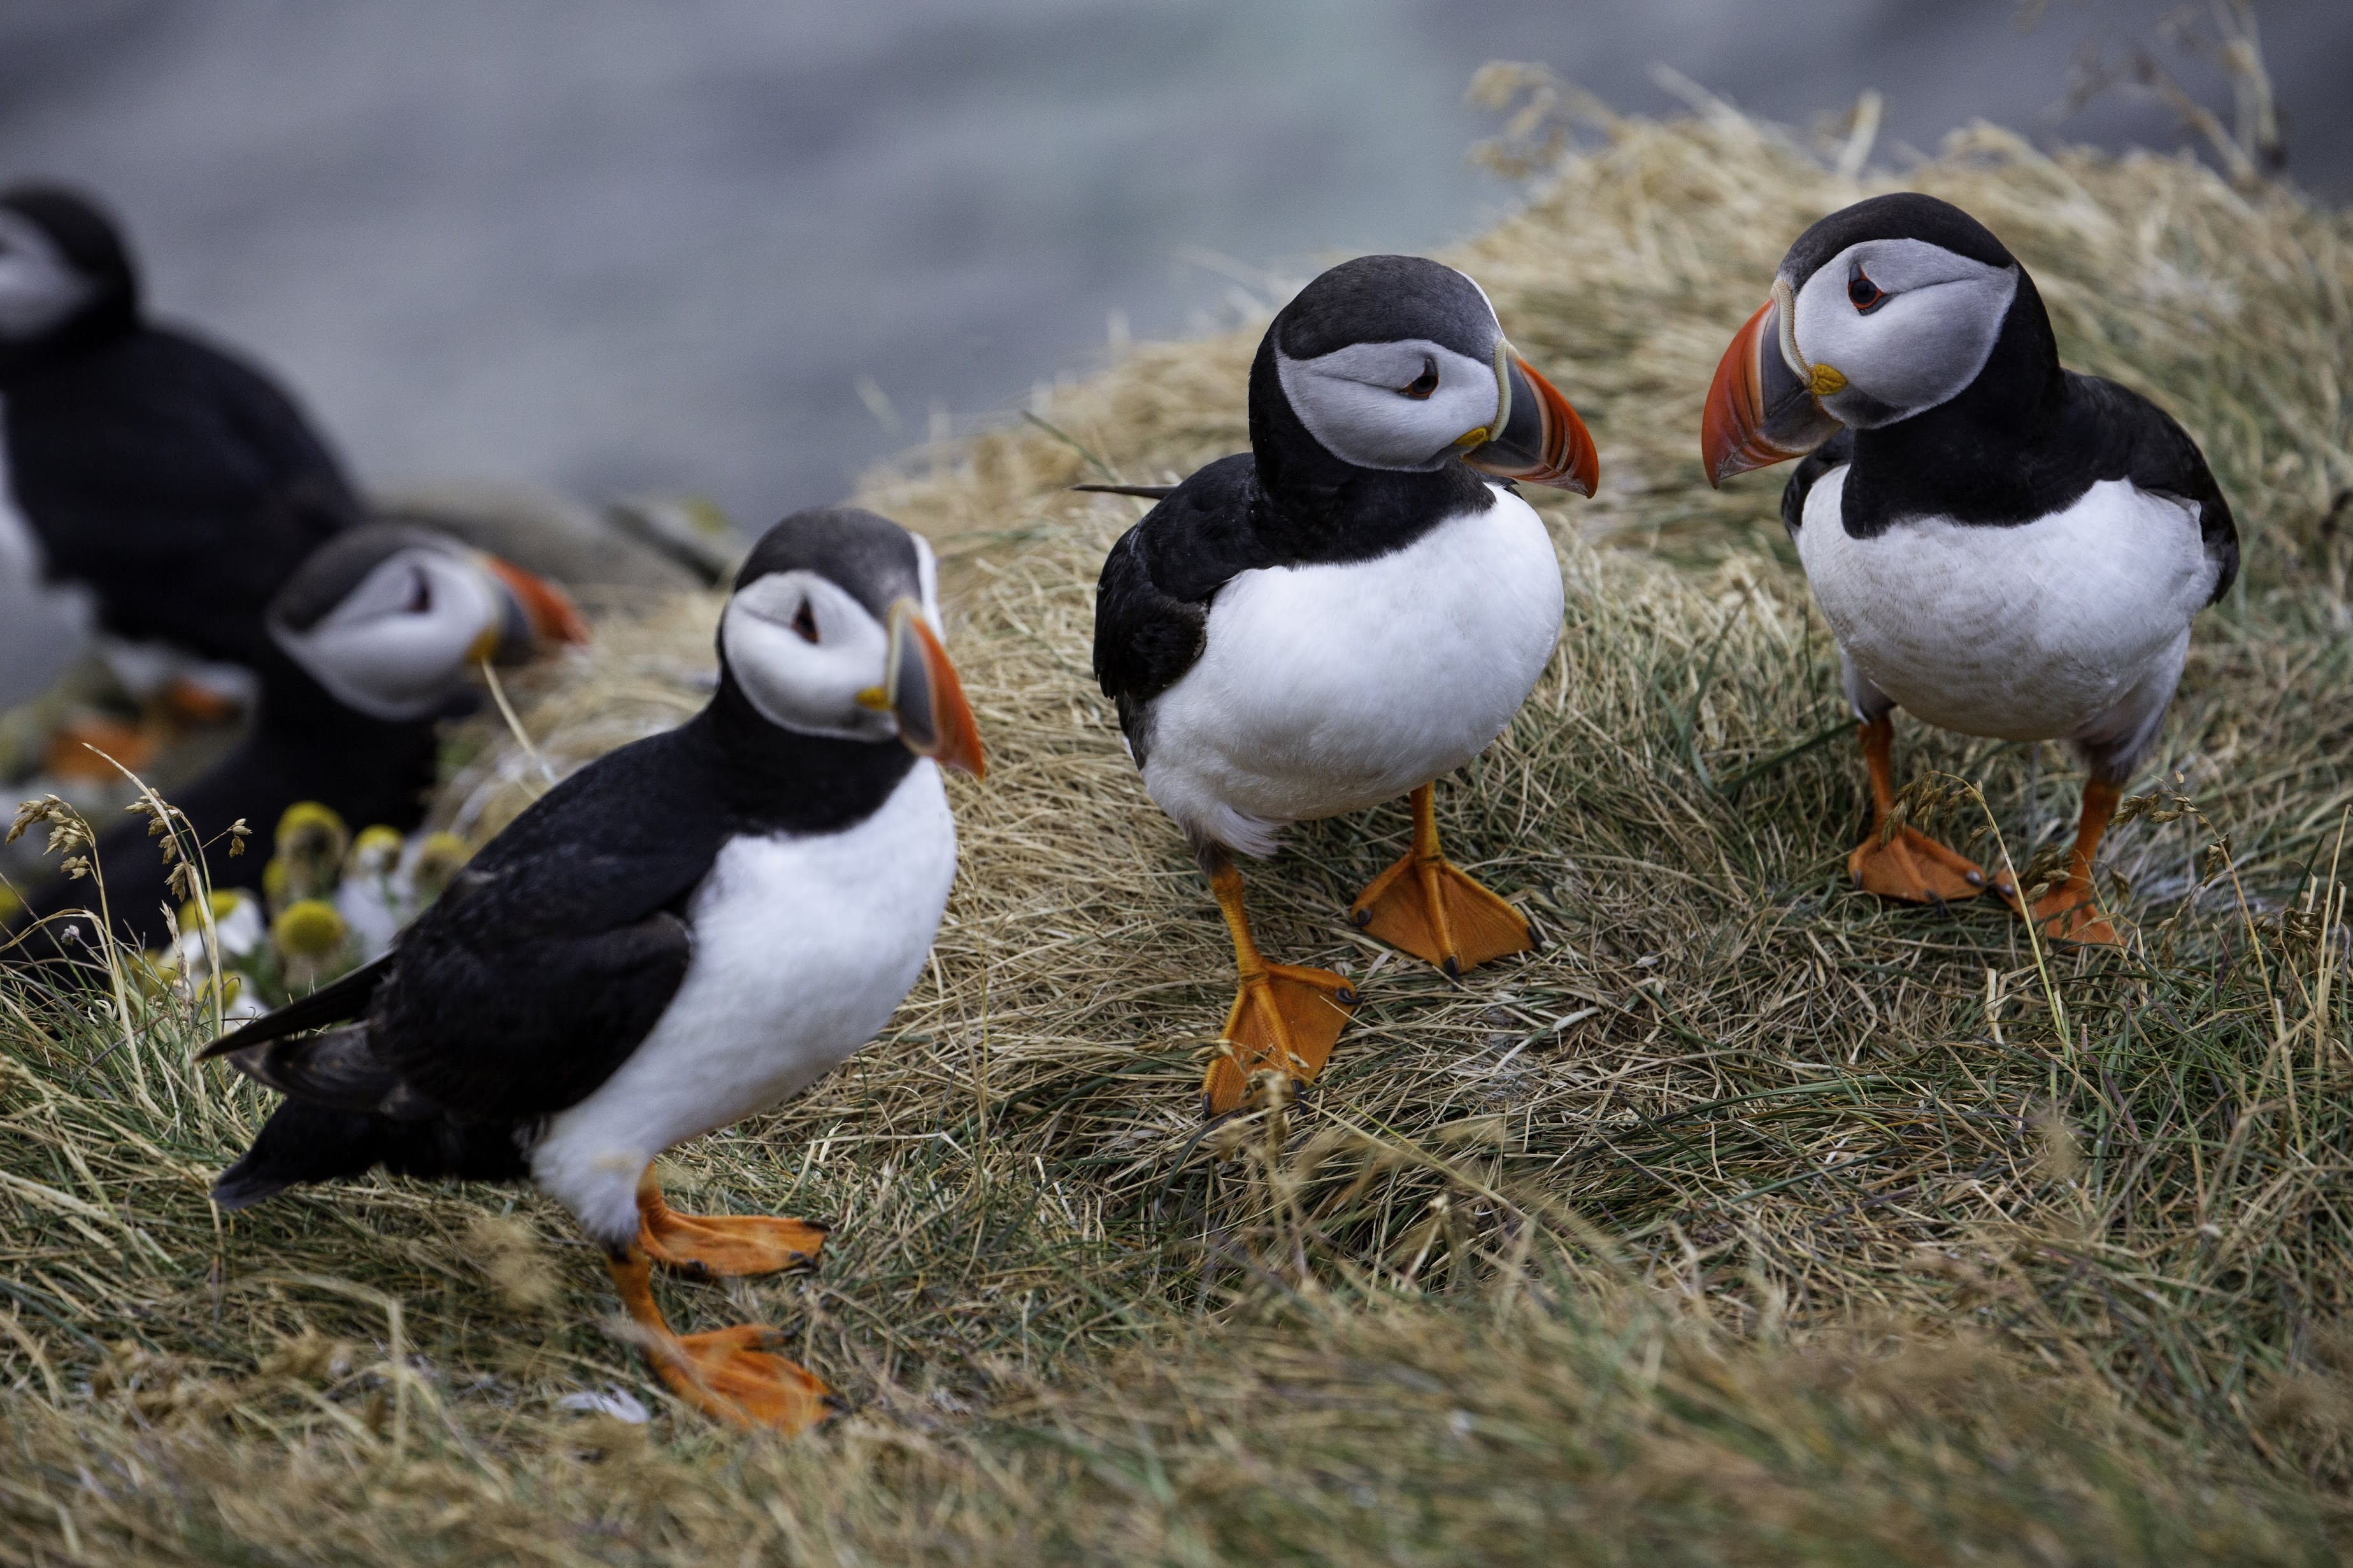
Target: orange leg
x=1423, y=905
x=721, y=1246
x=73, y=751
x=2071, y=912
x=1283, y=1016
x=730, y=1374
x=1910, y=865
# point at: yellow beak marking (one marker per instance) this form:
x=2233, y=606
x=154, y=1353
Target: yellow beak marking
x=874, y=697
x=1827, y=379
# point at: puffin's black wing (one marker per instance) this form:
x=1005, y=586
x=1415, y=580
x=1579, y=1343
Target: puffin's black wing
x=1833, y=453
x=493, y=1023
x=538, y=971
x=178, y=482
x=557, y=949
x=338, y=1002
x=2138, y=441
x=1152, y=603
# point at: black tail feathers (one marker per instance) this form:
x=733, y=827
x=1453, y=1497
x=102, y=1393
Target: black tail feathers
x=305, y=1142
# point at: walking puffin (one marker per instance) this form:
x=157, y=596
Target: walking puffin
x=1352, y=607
x=2003, y=547
x=181, y=485
x=369, y=644
x=686, y=933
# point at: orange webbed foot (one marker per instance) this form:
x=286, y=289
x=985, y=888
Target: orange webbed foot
x=734, y=1375
x=1439, y=914
x=1913, y=867
x=722, y=1246
x=2070, y=913
x=1424, y=906
x=1283, y=1016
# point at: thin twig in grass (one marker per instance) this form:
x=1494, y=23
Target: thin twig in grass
x=1732, y=786
x=514, y=724
x=1075, y=444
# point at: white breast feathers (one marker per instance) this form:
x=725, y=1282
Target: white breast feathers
x=804, y=944
x=2023, y=633
x=1329, y=689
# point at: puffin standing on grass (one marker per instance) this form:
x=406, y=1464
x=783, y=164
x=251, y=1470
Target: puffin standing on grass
x=1355, y=607
x=686, y=933
x=2003, y=547
x=181, y=485
x=369, y=644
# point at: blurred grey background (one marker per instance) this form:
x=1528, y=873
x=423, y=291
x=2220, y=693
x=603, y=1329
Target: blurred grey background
x=745, y=249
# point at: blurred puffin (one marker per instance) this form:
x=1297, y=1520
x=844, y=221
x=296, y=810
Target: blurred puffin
x=179, y=484
x=370, y=643
x=2003, y=547
x=685, y=933
x=1352, y=608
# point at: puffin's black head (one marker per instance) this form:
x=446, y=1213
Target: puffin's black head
x=1396, y=362
x=1880, y=312
x=62, y=263
x=832, y=630
x=391, y=620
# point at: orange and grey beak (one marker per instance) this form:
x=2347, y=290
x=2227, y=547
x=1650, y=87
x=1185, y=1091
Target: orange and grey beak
x=921, y=689
x=1536, y=435
x=1760, y=410
x=537, y=613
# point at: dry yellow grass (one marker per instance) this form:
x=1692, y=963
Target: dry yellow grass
x=1750, y=1221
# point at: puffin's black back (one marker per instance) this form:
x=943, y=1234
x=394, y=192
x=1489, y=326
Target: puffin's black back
x=175, y=480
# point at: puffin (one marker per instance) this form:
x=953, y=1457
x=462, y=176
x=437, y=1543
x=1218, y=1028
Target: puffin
x=1353, y=607
x=370, y=643
x=685, y=933
x=2001, y=547
x=178, y=483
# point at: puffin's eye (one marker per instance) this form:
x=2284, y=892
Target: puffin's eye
x=1421, y=386
x=1863, y=294
x=420, y=594
x=804, y=622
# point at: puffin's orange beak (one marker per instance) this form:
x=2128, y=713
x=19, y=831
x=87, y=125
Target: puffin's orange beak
x=922, y=689
x=1536, y=435
x=1759, y=411
x=547, y=610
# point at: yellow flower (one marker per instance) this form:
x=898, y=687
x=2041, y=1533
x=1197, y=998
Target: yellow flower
x=312, y=840
x=309, y=927
x=439, y=858
x=375, y=852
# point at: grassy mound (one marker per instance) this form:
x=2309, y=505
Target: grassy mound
x=1750, y=1221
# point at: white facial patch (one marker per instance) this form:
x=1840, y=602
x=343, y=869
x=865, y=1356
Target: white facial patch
x=1919, y=345
x=399, y=643
x=927, y=583
x=1366, y=404
x=39, y=289
x=803, y=651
